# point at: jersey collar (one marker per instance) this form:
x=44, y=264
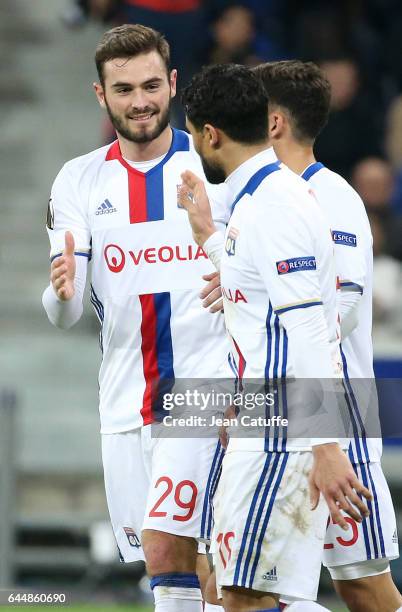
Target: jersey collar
x=239, y=177
x=311, y=170
x=180, y=142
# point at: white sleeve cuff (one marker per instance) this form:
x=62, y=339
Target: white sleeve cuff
x=64, y=314
x=213, y=248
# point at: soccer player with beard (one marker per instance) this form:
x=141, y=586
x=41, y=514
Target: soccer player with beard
x=118, y=206
x=277, y=253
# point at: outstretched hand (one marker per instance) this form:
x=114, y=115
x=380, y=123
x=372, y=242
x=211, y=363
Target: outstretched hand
x=62, y=270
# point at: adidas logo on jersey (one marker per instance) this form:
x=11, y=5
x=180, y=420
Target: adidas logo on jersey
x=106, y=208
x=272, y=575
x=395, y=537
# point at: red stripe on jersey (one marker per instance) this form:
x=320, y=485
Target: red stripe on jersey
x=242, y=361
x=137, y=197
x=137, y=193
x=149, y=355
x=113, y=151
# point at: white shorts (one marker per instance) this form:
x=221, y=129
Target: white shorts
x=375, y=538
x=155, y=484
x=265, y=536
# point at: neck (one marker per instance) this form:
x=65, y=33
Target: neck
x=236, y=155
x=294, y=155
x=145, y=151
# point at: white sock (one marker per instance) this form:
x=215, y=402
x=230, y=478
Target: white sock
x=177, y=599
x=212, y=608
x=306, y=606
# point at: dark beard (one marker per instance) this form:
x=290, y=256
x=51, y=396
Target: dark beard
x=213, y=173
x=144, y=136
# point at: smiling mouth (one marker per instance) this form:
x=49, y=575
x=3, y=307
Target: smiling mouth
x=142, y=117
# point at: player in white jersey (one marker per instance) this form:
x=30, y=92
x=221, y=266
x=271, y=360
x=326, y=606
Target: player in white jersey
x=278, y=286
x=118, y=206
x=358, y=561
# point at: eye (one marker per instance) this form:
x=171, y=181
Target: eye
x=152, y=87
x=123, y=90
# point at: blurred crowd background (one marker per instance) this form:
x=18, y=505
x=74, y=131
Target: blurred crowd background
x=52, y=507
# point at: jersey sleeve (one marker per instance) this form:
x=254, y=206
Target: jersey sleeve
x=283, y=250
x=350, y=259
x=66, y=211
x=221, y=203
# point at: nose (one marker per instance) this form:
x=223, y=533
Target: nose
x=139, y=99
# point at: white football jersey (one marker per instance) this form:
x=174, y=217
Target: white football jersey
x=353, y=243
x=278, y=256
x=146, y=276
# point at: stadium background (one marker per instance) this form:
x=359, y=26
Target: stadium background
x=54, y=532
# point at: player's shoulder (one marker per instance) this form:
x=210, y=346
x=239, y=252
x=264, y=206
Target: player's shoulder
x=284, y=188
x=78, y=166
x=335, y=193
x=336, y=184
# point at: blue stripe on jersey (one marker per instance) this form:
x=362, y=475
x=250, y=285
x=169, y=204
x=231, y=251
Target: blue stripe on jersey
x=267, y=368
x=377, y=512
x=154, y=194
x=360, y=436
x=263, y=514
x=364, y=522
x=275, y=381
x=76, y=253
x=250, y=518
x=100, y=313
x=283, y=382
x=235, y=371
x=276, y=339
x=311, y=170
x=233, y=365
x=305, y=305
x=370, y=519
x=164, y=348
x=154, y=177
x=352, y=286
x=207, y=506
x=374, y=520
x=256, y=180
x=180, y=142
x=284, y=457
x=97, y=304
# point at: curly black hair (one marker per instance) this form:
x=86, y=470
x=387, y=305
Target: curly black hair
x=232, y=99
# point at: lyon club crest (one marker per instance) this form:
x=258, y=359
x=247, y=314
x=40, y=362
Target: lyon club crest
x=230, y=245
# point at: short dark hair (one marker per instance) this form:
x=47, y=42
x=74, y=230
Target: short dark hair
x=130, y=40
x=302, y=89
x=229, y=97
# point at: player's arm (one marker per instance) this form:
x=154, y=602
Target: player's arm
x=63, y=298
x=296, y=298
x=350, y=242
x=349, y=306
x=221, y=207
x=194, y=198
x=69, y=237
